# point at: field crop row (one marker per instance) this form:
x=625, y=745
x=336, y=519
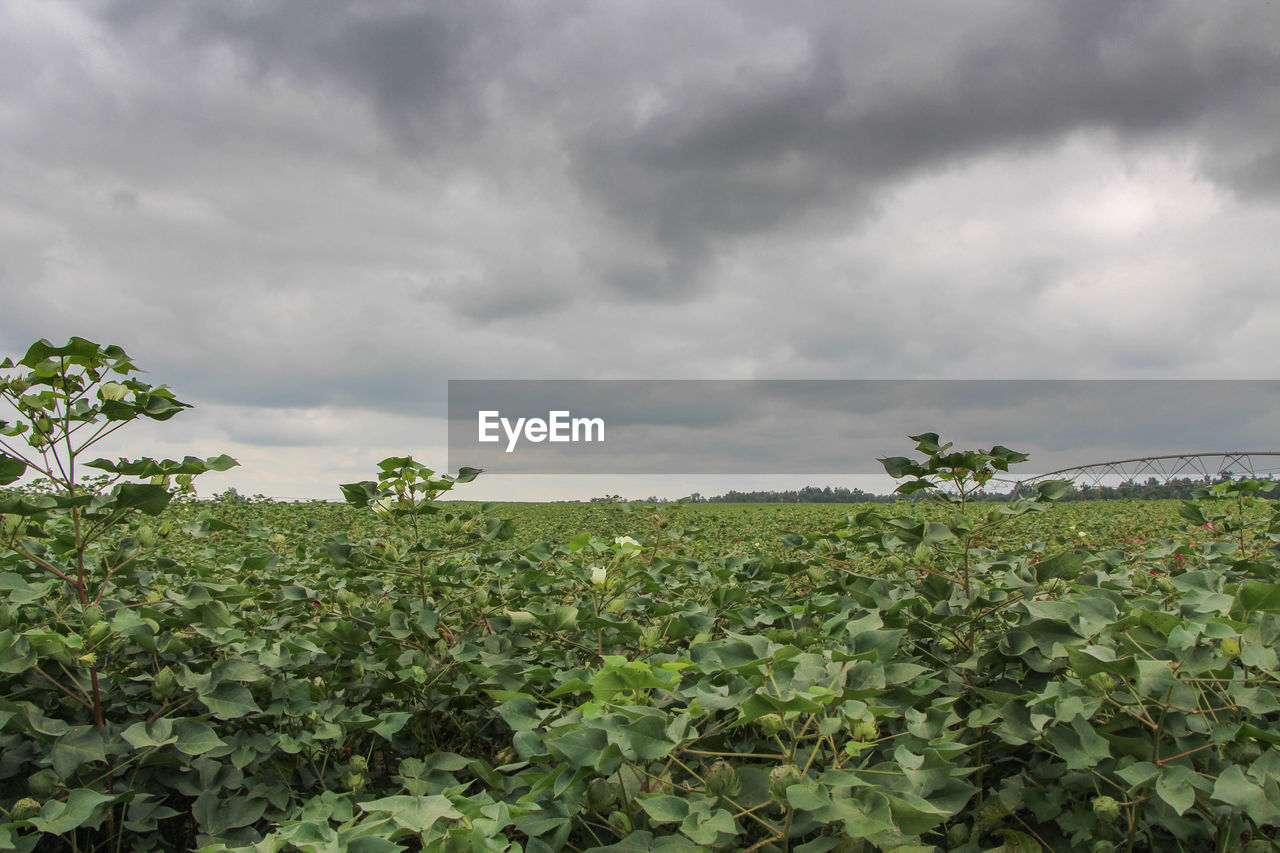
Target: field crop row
x=405, y=673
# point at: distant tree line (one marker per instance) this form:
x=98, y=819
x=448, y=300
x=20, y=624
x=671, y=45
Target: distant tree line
x=1152, y=489
x=807, y=495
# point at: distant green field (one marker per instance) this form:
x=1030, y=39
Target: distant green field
x=717, y=529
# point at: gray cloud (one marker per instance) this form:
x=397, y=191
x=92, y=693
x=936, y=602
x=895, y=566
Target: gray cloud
x=341, y=205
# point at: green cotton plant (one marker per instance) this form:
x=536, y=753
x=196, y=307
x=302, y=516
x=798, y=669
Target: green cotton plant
x=955, y=479
x=403, y=496
x=62, y=402
x=1225, y=509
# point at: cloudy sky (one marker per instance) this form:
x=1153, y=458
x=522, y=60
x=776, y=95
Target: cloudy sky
x=306, y=217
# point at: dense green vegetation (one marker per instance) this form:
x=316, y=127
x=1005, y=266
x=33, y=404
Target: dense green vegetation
x=404, y=673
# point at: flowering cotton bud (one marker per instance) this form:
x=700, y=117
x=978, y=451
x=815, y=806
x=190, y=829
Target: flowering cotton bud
x=521, y=620
x=98, y=633
x=628, y=546
x=598, y=575
x=111, y=391
x=145, y=536
x=722, y=780
x=165, y=685
x=17, y=385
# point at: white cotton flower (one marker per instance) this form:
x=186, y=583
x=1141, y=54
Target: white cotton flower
x=598, y=575
x=628, y=546
x=382, y=506
x=112, y=391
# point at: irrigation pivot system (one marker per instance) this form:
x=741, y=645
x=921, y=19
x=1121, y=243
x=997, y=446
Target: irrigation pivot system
x=1209, y=466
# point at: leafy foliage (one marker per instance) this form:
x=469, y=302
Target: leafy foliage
x=404, y=673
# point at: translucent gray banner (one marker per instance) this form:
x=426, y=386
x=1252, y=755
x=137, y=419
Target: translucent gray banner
x=842, y=426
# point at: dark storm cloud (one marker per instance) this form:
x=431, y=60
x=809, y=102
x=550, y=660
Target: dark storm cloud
x=686, y=129
x=315, y=208
x=410, y=61
x=749, y=151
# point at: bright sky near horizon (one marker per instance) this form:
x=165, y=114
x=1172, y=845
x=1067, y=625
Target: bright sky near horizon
x=306, y=218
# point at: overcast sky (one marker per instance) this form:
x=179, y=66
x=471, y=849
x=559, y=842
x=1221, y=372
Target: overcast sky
x=306, y=217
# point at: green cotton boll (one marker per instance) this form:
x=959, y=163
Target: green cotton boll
x=1106, y=808
x=621, y=823
x=44, y=784
x=782, y=777
x=722, y=780
x=25, y=809
x=1100, y=684
x=770, y=724
x=92, y=616
x=601, y=796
